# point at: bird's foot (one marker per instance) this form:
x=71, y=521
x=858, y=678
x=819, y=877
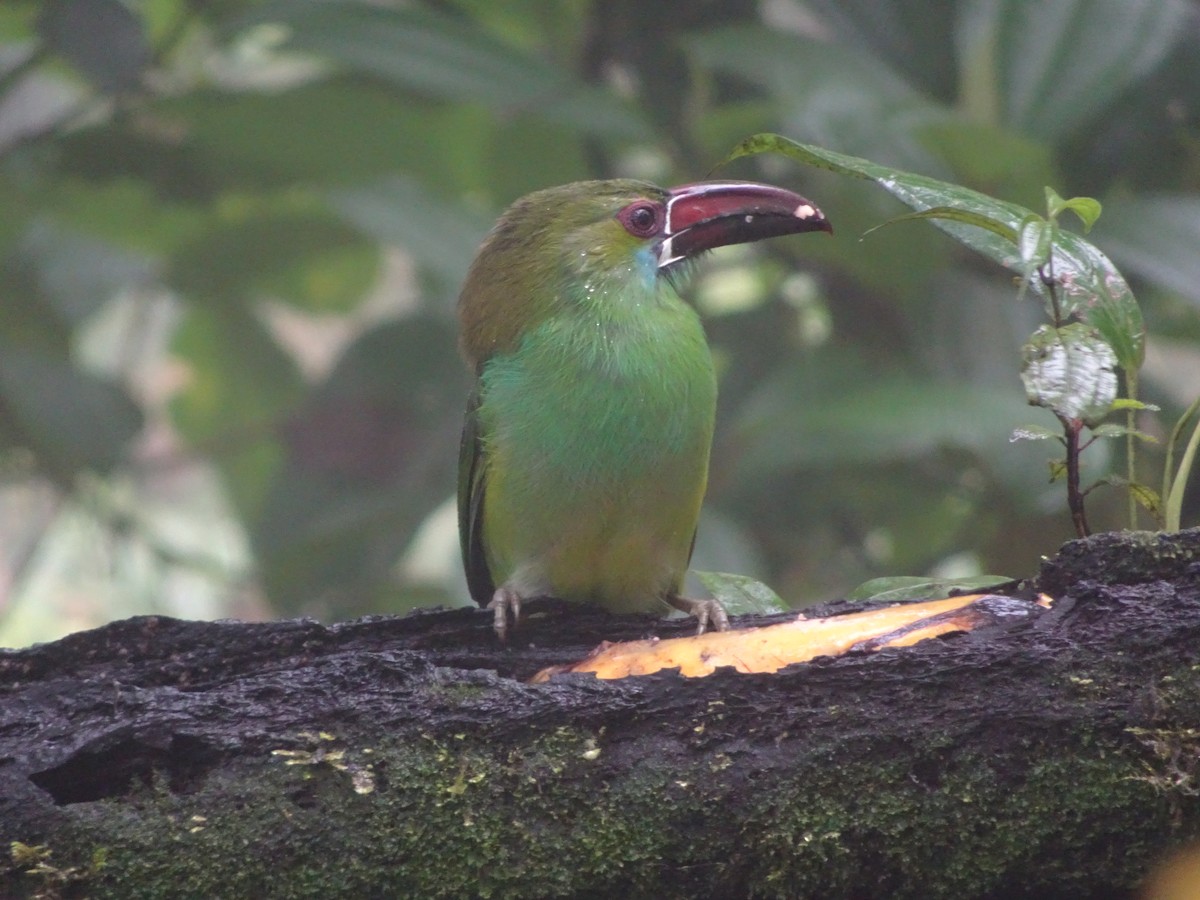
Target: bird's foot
x=705, y=611
x=504, y=602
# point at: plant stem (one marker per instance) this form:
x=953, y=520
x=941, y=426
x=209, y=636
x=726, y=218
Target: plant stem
x=1071, y=430
x=1175, y=484
x=1131, y=391
x=1046, y=274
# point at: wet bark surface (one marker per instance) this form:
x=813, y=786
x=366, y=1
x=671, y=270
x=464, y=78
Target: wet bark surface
x=1052, y=755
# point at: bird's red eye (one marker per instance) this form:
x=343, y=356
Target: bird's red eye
x=642, y=219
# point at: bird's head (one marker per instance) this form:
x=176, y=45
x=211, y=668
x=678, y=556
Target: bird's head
x=578, y=239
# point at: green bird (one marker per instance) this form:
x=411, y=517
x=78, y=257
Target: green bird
x=584, y=455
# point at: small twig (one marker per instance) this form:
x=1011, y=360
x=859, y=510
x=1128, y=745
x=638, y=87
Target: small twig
x=1046, y=274
x=1071, y=430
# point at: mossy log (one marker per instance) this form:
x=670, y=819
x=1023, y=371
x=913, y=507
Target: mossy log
x=1056, y=756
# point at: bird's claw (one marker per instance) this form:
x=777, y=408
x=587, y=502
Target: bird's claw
x=705, y=611
x=504, y=602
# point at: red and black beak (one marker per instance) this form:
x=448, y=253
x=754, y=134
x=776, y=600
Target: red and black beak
x=711, y=214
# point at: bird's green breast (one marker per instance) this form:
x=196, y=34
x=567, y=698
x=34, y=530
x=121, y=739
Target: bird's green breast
x=596, y=437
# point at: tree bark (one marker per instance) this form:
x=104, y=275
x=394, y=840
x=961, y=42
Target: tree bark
x=1055, y=756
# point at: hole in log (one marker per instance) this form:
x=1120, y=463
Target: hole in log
x=114, y=770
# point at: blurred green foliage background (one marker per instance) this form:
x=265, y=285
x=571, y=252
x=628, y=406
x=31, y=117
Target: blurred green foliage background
x=232, y=233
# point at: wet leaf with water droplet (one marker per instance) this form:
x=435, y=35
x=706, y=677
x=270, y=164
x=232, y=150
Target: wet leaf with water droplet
x=1070, y=370
x=1034, y=433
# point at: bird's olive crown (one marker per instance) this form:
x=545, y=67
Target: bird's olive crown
x=545, y=240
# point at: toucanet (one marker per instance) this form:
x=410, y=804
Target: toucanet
x=584, y=455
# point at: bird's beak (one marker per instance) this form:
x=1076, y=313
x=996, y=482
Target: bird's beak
x=711, y=214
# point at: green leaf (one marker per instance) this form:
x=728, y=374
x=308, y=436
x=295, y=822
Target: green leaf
x=77, y=273
x=1070, y=371
x=1086, y=208
x=1090, y=287
x=912, y=35
x=1099, y=295
x=1113, y=430
x=1035, y=433
x=130, y=216
x=441, y=235
x=837, y=98
x=1054, y=202
x=71, y=421
x=798, y=421
x=365, y=458
x=1123, y=403
x=1146, y=497
x=1034, y=240
x=27, y=319
x=952, y=214
x=17, y=21
x=310, y=260
x=1155, y=236
x=337, y=131
x=103, y=39
x=740, y=595
x=240, y=389
x=1057, y=66
x=894, y=587
x=908, y=588
x=1011, y=164
x=426, y=51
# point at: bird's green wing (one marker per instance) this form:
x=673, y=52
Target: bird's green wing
x=470, y=505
